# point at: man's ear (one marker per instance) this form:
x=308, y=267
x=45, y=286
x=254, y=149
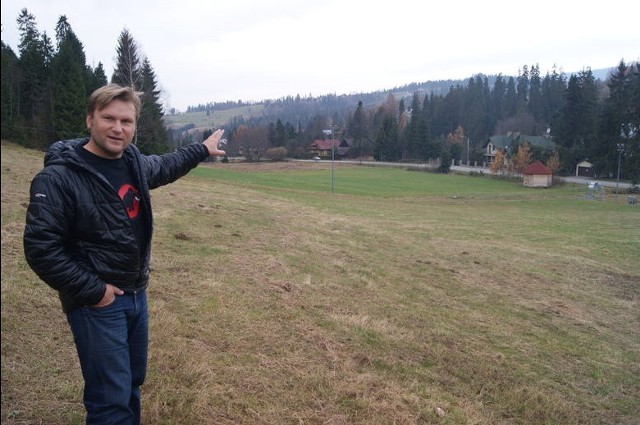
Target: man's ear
x=88, y=121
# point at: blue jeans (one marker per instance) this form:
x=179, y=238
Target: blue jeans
x=112, y=344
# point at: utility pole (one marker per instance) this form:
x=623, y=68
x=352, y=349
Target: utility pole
x=620, y=147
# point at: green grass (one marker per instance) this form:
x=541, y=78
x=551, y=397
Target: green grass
x=382, y=182
x=275, y=301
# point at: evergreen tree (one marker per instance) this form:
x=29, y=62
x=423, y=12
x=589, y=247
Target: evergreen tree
x=97, y=79
x=359, y=133
x=280, y=135
x=475, y=110
x=68, y=84
x=152, y=137
x=510, y=99
x=386, y=143
x=620, y=123
x=427, y=148
x=497, y=105
x=35, y=56
x=536, y=106
x=553, y=89
x=522, y=90
x=411, y=135
x=577, y=123
x=10, y=91
x=127, y=72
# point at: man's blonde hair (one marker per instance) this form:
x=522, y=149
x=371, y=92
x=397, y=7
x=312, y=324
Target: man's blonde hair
x=100, y=98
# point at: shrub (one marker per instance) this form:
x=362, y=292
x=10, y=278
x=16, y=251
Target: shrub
x=277, y=154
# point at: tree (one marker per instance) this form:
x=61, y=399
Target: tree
x=68, y=83
x=620, y=122
x=97, y=79
x=127, y=72
x=152, y=137
x=553, y=162
x=553, y=89
x=386, y=144
x=34, y=95
x=359, y=133
x=536, y=105
x=10, y=93
x=576, y=125
x=412, y=133
x=497, y=166
x=521, y=159
x=522, y=89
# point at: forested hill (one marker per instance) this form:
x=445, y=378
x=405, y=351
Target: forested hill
x=296, y=108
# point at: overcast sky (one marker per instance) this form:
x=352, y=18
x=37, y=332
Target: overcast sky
x=205, y=51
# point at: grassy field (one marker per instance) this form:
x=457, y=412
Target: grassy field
x=214, y=119
x=402, y=298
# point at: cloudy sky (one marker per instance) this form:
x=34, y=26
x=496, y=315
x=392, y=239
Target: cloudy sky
x=213, y=50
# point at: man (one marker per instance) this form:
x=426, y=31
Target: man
x=88, y=236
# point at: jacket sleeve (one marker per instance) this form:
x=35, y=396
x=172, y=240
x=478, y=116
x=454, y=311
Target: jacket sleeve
x=164, y=169
x=49, y=221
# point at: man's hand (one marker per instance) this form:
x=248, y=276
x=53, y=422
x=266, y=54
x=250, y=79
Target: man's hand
x=212, y=143
x=109, y=295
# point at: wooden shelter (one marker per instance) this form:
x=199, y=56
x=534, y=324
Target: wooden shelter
x=537, y=175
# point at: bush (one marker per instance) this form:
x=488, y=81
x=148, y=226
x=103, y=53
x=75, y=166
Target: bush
x=277, y=154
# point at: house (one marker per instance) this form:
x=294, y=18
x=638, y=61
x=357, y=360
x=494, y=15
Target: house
x=585, y=169
x=322, y=148
x=537, y=175
x=509, y=143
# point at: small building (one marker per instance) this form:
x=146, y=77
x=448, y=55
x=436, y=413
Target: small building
x=585, y=169
x=322, y=148
x=537, y=175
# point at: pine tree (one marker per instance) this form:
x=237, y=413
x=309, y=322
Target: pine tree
x=510, y=99
x=10, y=91
x=411, y=133
x=522, y=90
x=35, y=57
x=127, y=72
x=620, y=122
x=553, y=89
x=386, y=144
x=152, y=137
x=97, y=79
x=577, y=122
x=68, y=84
x=535, y=105
x=358, y=131
x=497, y=105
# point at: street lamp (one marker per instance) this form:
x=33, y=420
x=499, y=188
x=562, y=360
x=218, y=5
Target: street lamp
x=620, y=147
x=329, y=132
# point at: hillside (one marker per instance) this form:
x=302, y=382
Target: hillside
x=275, y=109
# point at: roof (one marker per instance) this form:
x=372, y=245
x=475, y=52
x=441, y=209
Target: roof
x=325, y=144
x=511, y=140
x=537, y=168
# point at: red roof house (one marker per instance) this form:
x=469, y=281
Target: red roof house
x=537, y=175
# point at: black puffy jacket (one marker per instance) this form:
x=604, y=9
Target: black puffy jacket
x=78, y=236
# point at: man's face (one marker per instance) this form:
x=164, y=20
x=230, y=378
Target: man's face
x=112, y=129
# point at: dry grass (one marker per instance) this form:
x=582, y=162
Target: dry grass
x=269, y=309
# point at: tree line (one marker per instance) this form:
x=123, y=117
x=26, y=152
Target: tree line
x=45, y=87
x=44, y=90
